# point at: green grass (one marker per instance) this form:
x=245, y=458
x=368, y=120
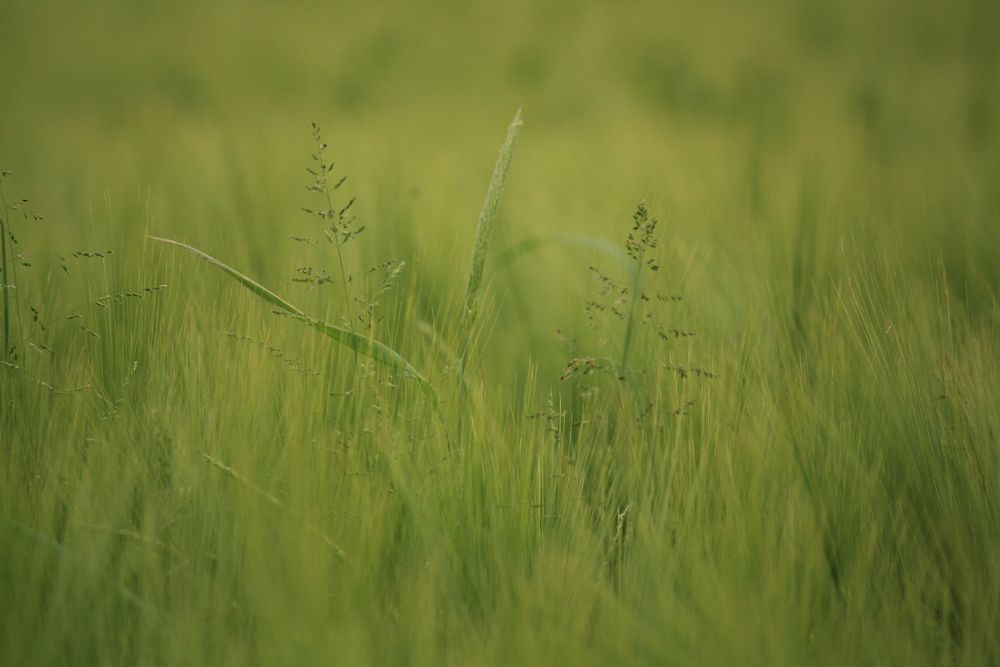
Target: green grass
x=357, y=342
x=188, y=478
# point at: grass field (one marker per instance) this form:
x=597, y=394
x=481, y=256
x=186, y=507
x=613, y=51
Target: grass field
x=763, y=431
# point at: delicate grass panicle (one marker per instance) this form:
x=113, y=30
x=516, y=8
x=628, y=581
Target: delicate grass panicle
x=341, y=225
x=341, y=228
x=5, y=285
x=27, y=316
x=632, y=304
x=639, y=245
x=10, y=258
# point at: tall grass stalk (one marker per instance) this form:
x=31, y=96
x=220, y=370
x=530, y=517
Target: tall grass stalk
x=5, y=286
x=488, y=215
x=484, y=232
x=323, y=185
x=633, y=313
x=639, y=242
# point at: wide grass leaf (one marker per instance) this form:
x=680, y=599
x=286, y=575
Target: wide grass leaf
x=361, y=344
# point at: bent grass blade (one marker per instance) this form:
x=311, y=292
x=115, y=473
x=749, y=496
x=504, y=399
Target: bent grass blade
x=529, y=245
x=361, y=344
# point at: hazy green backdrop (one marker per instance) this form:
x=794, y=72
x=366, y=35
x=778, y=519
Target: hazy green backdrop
x=827, y=179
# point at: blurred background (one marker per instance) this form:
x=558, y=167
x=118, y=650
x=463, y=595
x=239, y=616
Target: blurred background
x=762, y=133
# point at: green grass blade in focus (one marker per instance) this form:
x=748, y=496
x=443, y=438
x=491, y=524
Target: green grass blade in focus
x=488, y=214
x=360, y=344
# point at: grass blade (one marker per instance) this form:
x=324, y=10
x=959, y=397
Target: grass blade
x=488, y=214
x=360, y=344
x=274, y=501
x=484, y=230
x=531, y=244
x=80, y=561
x=244, y=280
x=369, y=347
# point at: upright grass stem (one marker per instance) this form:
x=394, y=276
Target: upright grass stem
x=633, y=313
x=488, y=215
x=484, y=232
x=640, y=240
x=331, y=213
x=5, y=288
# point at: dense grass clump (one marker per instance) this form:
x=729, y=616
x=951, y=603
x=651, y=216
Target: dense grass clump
x=711, y=379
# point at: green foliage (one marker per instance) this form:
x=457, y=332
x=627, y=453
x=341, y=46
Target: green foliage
x=810, y=480
x=488, y=214
x=360, y=344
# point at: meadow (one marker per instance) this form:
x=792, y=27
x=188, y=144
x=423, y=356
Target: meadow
x=522, y=333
